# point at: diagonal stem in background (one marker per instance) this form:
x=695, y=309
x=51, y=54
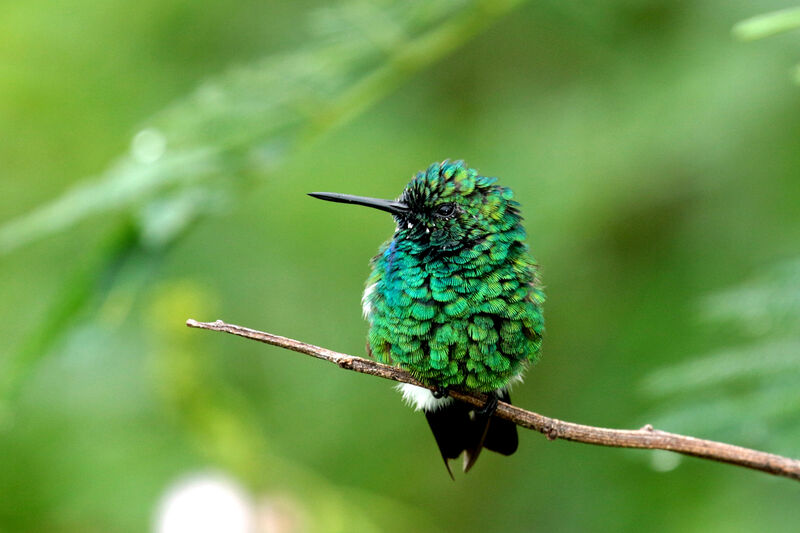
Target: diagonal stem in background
x=646, y=437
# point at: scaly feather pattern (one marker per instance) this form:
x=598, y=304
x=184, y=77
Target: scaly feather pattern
x=455, y=298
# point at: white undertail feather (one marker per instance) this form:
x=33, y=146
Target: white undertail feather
x=421, y=399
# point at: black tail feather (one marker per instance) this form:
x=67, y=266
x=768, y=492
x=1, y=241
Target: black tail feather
x=480, y=427
x=450, y=425
x=459, y=427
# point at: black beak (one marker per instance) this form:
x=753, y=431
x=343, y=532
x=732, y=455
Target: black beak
x=390, y=206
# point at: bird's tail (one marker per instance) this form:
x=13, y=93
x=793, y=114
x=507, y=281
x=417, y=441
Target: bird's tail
x=460, y=428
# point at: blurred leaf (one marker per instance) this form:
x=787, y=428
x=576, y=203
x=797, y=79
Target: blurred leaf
x=768, y=304
x=767, y=24
x=248, y=119
x=746, y=364
x=746, y=394
x=87, y=287
x=124, y=185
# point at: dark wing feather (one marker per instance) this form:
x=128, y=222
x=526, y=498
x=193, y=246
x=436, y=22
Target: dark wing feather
x=502, y=435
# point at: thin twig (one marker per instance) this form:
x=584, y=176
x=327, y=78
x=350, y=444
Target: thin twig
x=646, y=437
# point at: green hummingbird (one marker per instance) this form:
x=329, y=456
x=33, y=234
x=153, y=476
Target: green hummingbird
x=454, y=298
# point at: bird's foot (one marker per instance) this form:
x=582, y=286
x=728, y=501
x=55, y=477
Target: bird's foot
x=490, y=406
x=440, y=392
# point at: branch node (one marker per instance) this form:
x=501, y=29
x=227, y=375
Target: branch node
x=550, y=431
x=647, y=427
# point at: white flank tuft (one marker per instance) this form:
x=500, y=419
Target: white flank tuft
x=421, y=399
x=366, y=306
x=515, y=380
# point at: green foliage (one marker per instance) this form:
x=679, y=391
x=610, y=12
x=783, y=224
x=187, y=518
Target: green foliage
x=196, y=158
x=205, y=151
x=746, y=393
x=224, y=428
x=197, y=152
x=655, y=159
x=767, y=25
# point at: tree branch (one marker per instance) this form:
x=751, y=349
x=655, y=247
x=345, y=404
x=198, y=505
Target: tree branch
x=646, y=437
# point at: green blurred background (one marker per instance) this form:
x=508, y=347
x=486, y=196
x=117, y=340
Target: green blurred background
x=154, y=162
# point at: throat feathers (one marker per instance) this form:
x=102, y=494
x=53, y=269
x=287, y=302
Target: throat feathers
x=454, y=298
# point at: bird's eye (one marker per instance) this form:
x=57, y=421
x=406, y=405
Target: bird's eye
x=446, y=210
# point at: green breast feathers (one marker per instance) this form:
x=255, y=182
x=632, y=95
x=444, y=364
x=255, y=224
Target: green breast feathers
x=454, y=297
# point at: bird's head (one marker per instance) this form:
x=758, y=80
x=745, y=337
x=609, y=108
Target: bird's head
x=445, y=208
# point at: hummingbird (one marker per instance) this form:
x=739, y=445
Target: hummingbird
x=454, y=298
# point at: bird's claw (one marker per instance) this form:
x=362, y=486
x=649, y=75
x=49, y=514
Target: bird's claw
x=440, y=392
x=490, y=406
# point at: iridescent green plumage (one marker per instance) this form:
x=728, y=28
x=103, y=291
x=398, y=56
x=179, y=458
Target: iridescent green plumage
x=455, y=299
